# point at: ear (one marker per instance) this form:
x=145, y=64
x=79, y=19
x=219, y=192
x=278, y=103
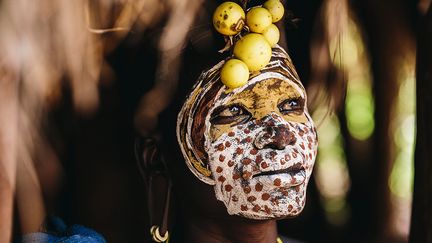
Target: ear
x=154, y=171
x=149, y=159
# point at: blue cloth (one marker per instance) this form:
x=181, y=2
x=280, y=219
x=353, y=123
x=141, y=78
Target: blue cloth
x=62, y=234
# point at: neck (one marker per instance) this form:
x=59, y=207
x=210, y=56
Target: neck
x=229, y=229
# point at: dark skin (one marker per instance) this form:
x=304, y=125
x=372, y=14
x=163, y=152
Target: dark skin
x=229, y=229
x=204, y=218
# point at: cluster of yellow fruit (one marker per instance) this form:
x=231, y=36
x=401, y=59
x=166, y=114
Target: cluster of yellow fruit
x=252, y=52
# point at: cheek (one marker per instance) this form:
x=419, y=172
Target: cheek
x=232, y=158
x=307, y=144
x=232, y=148
x=216, y=131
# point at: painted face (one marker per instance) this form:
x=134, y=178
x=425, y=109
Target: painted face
x=256, y=144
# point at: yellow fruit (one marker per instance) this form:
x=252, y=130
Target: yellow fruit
x=276, y=9
x=234, y=73
x=254, y=50
x=258, y=19
x=272, y=35
x=228, y=18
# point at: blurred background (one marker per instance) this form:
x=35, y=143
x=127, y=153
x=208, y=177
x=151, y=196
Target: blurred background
x=79, y=80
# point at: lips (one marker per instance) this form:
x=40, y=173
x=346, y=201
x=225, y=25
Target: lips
x=295, y=168
x=289, y=177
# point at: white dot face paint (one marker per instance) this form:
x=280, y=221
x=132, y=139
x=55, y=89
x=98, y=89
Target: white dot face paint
x=256, y=144
x=261, y=167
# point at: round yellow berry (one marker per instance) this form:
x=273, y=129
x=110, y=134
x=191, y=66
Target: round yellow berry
x=228, y=18
x=254, y=50
x=234, y=73
x=258, y=19
x=272, y=35
x=276, y=8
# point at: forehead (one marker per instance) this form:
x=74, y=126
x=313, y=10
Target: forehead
x=257, y=94
x=273, y=82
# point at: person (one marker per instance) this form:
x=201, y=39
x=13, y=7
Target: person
x=236, y=160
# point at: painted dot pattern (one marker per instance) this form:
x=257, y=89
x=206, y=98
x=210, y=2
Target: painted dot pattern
x=240, y=169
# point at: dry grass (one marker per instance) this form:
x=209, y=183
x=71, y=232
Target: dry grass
x=49, y=45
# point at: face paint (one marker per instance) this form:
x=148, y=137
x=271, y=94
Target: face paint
x=257, y=143
x=261, y=166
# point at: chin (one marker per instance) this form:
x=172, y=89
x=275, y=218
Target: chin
x=281, y=203
x=281, y=212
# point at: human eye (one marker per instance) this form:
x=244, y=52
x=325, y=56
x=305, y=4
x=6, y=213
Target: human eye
x=230, y=114
x=291, y=105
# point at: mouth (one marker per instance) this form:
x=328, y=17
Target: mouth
x=292, y=176
x=294, y=169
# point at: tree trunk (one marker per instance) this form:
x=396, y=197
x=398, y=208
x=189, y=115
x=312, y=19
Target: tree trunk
x=421, y=221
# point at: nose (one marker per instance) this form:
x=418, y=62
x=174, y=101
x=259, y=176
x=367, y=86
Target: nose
x=275, y=137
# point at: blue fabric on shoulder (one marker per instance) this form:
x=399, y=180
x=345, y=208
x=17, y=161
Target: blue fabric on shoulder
x=62, y=234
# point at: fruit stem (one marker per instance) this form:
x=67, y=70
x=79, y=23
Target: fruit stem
x=228, y=44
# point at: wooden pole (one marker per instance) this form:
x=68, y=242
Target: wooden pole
x=421, y=220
